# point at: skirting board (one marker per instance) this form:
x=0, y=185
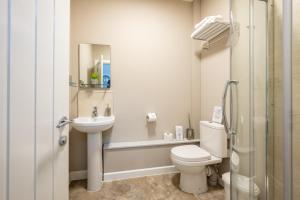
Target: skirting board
x=80, y=175
x=77, y=175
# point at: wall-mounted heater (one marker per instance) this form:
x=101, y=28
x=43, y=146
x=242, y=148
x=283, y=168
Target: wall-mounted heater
x=210, y=30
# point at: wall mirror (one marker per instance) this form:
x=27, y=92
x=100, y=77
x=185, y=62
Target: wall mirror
x=94, y=66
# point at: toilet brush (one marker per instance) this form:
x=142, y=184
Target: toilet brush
x=189, y=131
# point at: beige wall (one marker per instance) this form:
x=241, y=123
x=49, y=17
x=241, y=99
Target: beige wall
x=276, y=153
x=214, y=65
x=152, y=68
x=278, y=148
x=215, y=62
x=147, y=157
x=270, y=102
x=156, y=67
x=296, y=99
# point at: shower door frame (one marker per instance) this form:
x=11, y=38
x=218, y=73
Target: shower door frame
x=287, y=16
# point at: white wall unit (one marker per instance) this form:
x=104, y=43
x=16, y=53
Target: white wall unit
x=34, y=61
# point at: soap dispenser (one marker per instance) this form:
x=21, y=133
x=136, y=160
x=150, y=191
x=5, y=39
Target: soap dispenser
x=108, y=110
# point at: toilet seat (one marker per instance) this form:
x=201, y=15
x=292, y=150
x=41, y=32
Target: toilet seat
x=190, y=153
x=213, y=160
x=193, y=156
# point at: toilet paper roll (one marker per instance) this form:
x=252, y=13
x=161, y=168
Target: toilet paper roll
x=151, y=117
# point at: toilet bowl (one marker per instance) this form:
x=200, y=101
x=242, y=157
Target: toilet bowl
x=242, y=187
x=191, y=160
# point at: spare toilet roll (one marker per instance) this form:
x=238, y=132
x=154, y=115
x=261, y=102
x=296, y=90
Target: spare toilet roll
x=168, y=136
x=151, y=117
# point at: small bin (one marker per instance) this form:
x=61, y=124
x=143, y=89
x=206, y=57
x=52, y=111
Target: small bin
x=243, y=189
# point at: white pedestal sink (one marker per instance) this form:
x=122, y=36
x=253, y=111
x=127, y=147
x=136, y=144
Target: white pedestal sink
x=94, y=127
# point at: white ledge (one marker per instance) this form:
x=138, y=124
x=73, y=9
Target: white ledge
x=147, y=143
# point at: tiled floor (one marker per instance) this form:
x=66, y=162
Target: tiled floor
x=163, y=187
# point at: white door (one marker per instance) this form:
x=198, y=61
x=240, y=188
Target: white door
x=34, y=95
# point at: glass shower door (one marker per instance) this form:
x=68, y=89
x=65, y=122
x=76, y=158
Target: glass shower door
x=248, y=99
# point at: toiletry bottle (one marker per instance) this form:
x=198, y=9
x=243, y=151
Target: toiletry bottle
x=179, y=132
x=108, y=110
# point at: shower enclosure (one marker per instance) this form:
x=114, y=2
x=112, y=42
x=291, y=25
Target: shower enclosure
x=248, y=92
x=284, y=151
x=264, y=90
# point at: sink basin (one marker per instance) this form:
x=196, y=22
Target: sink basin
x=93, y=124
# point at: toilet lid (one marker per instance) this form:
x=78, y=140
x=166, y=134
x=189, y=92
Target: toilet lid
x=190, y=153
x=242, y=183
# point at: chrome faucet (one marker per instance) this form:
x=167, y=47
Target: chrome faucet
x=95, y=112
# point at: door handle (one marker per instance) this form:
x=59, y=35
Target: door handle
x=63, y=121
x=224, y=98
x=63, y=139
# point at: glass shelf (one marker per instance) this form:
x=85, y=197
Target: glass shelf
x=90, y=86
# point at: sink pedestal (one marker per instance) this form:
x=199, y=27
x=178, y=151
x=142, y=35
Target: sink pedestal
x=94, y=154
x=94, y=126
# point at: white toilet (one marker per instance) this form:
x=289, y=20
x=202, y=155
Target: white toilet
x=191, y=160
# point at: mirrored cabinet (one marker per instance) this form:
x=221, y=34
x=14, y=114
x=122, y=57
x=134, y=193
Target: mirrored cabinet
x=94, y=66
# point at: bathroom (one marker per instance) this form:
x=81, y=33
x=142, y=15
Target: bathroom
x=159, y=89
